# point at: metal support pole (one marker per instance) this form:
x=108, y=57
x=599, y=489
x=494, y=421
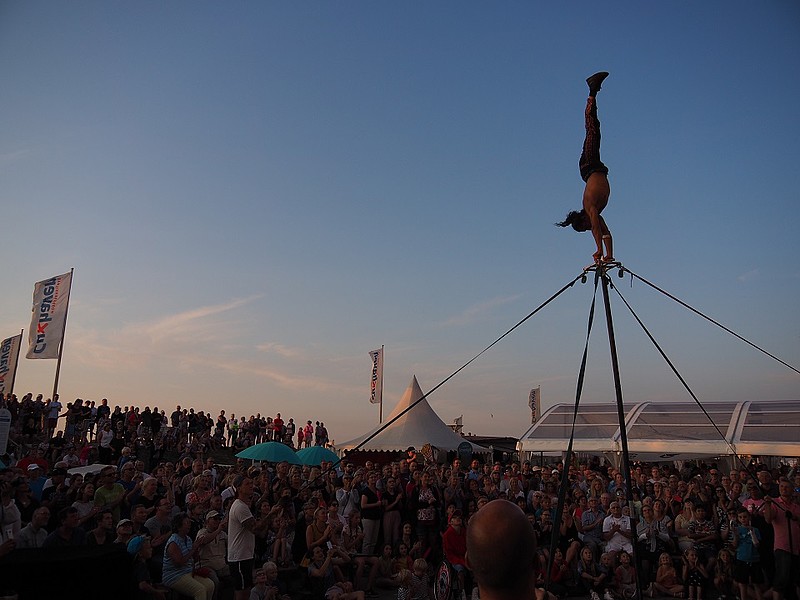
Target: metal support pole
x=623, y=435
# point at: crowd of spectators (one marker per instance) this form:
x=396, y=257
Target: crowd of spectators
x=96, y=433
x=350, y=529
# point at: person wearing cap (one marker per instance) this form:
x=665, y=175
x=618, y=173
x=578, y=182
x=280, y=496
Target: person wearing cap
x=36, y=457
x=141, y=550
x=124, y=531
x=212, y=541
x=36, y=480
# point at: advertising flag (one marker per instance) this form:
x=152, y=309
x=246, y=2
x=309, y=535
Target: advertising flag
x=50, y=300
x=376, y=382
x=535, y=402
x=9, y=353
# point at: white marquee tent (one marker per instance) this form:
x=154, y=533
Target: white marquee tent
x=665, y=431
x=419, y=426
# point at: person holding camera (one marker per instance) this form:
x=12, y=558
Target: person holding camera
x=10, y=517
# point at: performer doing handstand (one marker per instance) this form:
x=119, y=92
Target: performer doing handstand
x=595, y=174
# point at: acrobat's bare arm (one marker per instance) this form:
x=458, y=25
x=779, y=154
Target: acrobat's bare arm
x=595, y=198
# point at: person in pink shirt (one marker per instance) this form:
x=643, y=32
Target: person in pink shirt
x=783, y=513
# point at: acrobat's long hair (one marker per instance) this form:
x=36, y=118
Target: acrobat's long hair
x=574, y=218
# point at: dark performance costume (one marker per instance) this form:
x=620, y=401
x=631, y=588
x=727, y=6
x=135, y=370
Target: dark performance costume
x=590, y=156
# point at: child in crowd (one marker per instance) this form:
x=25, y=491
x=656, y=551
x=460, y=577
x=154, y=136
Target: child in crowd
x=747, y=571
x=275, y=588
x=723, y=574
x=414, y=583
x=694, y=574
x=558, y=574
x=454, y=546
x=625, y=576
x=666, y=582
x=727, y=528
x=259, y=590
x=403, y=561
x=590, y=577
x=606, y=567
x=140, y=549
x=544, y=534
x=704, y=534
x=386, y=569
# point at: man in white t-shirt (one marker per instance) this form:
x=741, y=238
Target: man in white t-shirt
x=53, y=410
x=617, y=530
x=242, y=528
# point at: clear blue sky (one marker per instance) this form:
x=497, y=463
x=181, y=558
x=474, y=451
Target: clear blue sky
x=255, y=194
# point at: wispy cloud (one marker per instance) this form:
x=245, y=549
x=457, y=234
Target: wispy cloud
x=135, y=344
x=749, y=276
x=476, y=311
x=15, y=155
x=198, y=340
x=279, y=349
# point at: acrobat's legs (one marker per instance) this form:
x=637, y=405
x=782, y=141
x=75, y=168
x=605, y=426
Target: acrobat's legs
x=590, y=156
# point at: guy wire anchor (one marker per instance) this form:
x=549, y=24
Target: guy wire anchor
x=602, y=268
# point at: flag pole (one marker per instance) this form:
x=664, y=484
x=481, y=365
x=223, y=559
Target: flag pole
x=63, y=333
x=19, y=348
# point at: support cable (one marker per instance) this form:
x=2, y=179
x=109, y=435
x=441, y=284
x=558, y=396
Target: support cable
x=462, y=367
x=707, y=318
x=562, y=490
x=686, y=385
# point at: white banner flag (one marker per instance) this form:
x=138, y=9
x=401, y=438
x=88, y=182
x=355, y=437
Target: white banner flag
x=50, y=300
x=535, y=402
x=9, y=352
x=376, y=383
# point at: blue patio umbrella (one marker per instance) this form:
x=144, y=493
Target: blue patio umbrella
x=314, y=455
x=274, y=452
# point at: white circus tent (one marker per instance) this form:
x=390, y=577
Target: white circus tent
x=419, y=426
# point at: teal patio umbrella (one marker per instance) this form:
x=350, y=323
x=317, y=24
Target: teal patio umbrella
x=273, y=452
x=314, y=455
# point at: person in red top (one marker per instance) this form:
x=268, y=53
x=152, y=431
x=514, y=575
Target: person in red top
x=277, y=428
x=35, y=458
x=454, y=545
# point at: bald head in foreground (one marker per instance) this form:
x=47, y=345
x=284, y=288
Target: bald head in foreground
x=501, y=552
